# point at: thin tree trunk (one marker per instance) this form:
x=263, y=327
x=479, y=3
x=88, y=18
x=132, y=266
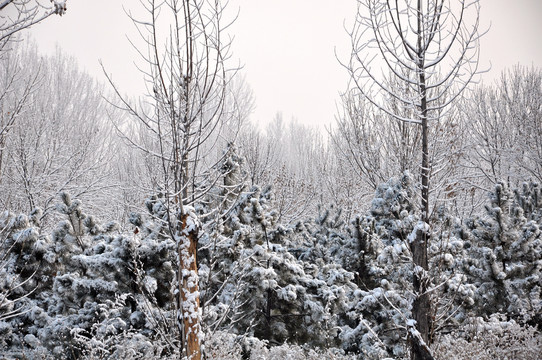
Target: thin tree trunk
x=421, y=308
x=189, y=302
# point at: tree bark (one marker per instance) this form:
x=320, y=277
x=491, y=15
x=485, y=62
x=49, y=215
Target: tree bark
x=421, y=308
x=189, y=303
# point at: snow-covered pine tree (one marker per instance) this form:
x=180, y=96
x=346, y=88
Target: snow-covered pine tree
x=84, y=299
x=505, y=259
x=26, y=271
x=378, y=251
x=322, y=237
x=87, y=288
x=260, y=285
x=452, y=294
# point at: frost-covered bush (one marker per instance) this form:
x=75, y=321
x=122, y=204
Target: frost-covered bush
x=378, y=246
x=27, y=267
x=88, y=289
x=453, y=296
x=494, y=339
x=323, y=238
x=379, y=252
x=224, y=346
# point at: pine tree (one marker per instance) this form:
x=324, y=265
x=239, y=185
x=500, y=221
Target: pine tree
x=27, y=266
x=267, y=281
x=505, y=259
x=379, y=253
x=87, y=288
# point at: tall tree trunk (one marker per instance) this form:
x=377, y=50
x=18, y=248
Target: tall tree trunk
x=421, y=308
x=189, y=303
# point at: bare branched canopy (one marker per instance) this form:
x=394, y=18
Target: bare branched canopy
x=17, y=15
x=185, y=107
x=429, y=43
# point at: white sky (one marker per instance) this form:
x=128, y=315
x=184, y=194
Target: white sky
x=287, y=47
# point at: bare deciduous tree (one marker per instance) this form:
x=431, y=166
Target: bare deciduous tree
x=505, y=129
x=17, y=87
x=18, y=84
x=431, y=54
x=376, y=146
x=58, y=135
x=185, y=111
x=260, y=154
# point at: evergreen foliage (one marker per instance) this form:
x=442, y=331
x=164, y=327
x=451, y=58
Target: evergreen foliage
x=505, y=260
x=84, y=282
x=91, y=289
x=379, y=252
x=266, y=287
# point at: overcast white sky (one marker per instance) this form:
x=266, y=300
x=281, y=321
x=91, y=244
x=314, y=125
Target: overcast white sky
x=287, y=47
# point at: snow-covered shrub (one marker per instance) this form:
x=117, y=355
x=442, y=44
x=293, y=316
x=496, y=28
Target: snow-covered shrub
x=28, y=264
x=322, y=238
x=224, y=346
x=87, y=281
x=379, y=252
x=453, y=294
x=494, y=339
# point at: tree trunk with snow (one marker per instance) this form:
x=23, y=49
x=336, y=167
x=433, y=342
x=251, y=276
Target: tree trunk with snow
x=188, y=297
x=188, y=117
x=421, y=308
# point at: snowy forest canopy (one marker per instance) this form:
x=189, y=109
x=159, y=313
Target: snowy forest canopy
x=150, y=227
